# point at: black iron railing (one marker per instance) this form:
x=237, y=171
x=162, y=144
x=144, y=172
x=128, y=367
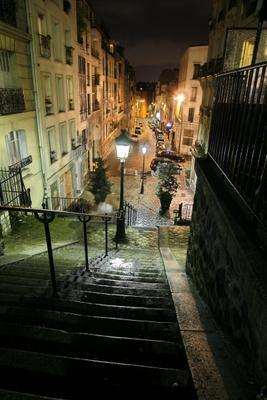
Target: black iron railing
x=69, y=55
x=47, y=216
x=238, y=135
x=12, y=188
x=130, y=214
x=45, y=45
x=22, y=163
x=11, y=101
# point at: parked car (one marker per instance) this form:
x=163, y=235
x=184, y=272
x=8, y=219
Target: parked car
x=156, y=161
x=138, y=130
x=171, y=155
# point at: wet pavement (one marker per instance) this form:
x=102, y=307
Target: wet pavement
x=148, y=204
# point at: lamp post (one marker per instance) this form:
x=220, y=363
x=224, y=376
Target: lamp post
x=144, y=150
x=123, y=143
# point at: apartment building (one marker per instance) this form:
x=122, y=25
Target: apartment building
x=114, y=116
x=55, y=68
x=18, y=130
x=188, y=99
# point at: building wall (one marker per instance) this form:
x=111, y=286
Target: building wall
x=186, y=129
x=16, y=41
x=229, y=272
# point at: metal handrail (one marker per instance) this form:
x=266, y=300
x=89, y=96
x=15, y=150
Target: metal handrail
x=47, y=216
x=130, y=213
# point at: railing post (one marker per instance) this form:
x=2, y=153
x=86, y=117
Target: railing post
x=46, y=219
x=84, y=221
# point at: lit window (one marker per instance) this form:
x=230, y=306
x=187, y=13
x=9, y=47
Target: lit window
x=247, y=53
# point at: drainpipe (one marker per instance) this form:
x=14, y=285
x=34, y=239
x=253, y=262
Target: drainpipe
x=37, y=90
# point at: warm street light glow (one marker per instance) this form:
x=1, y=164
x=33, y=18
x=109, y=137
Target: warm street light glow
x=180, y=98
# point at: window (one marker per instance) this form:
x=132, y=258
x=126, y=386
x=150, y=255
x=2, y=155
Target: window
x=70, y=94
x=16, y=146
x=81, y=65
x=187, y=141
x=57, y=41
x=6, y=75
x=191, y=114
x=51, y=133
x=54, y=195
x=72, y=133
x=88, y=75
x=60, y=94
x=63, y=139
x=193, y=96
x=189, y=133
x=41, y=24
x=48, y=97
x=247, y=53
x=89, y=103
x=196, y=71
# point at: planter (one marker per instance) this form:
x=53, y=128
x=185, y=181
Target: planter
x=165, y=202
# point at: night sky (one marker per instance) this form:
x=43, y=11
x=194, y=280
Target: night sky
x=155, y=33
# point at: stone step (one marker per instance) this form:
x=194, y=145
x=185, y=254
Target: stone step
x=132, y=273
x=11, y=395
x=95, y=309
x=21, y=289
x=106, y=348
x=90, y=287
x=85, y=279
x=73, y=377
x=100, y=298
x=91, y=324
x=28, y=280
x=132, y=278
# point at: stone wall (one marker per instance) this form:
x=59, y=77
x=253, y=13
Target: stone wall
x=230, y=275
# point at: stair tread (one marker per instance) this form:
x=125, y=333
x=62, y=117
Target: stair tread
x=12, y=395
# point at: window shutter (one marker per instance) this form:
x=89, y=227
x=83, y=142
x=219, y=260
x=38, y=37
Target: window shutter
x=22, y=144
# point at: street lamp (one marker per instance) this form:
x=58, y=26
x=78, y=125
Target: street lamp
x=144, y=150
x=123, y=143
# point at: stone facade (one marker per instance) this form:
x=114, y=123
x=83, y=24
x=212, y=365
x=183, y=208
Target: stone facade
x=230, y=275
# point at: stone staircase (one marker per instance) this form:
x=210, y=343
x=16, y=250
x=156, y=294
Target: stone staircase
x=112, y=331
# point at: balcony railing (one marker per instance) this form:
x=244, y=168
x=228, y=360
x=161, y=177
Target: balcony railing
x=22, y=163
x=11, y=101
x=238, y=133
x=69, y=55
x=45, y=45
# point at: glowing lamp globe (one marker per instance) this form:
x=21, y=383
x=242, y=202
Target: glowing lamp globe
x=123, y=144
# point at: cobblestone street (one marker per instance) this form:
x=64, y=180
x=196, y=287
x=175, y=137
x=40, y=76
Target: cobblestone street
x=148, y=204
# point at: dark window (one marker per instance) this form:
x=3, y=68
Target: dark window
x=196, y=71
x=66, y=6
x=191, y=114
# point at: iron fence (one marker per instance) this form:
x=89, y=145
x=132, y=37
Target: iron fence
x=130, y=214
x=12, y=188
x=47, y=216
x=238, y=135
x=11, y=101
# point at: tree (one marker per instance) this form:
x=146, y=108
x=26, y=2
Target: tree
x=100, y=185
x=167, y=185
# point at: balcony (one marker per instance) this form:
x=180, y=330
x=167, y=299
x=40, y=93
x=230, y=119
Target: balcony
x=11, y=101
x=95, y=53
x=22, y=163
x=45, y=45
x=237, y=143
x=96, y=105
x=69, y=55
